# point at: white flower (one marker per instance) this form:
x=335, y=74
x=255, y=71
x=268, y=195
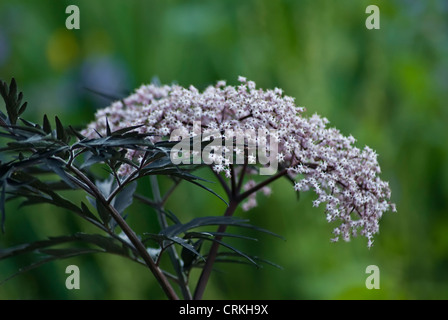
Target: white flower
x=342, y=175
x=242, y=79
x=251, y=159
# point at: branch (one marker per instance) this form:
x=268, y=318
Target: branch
x=244, y=195
x=207, y=270
x=160, y=277
x=241, y=178
x=234, y=202
x=233, y=181
x=163, y=225
x=223, y=183
x=169, y=192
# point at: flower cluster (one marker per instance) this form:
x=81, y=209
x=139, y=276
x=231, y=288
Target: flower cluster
x=344, y=177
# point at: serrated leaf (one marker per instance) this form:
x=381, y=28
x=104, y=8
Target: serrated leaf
x=49, y=259
x=191, y=235
x=198, y=222
x=105, y=186
x=65, y=252
x=23, y=108
x=189, y=257
x=165, y=169
x=3, y=92
x=53, y=199
x=46, y=126
x=60, y=131
x=76, y=133
x=19, y=99
x=108, y=244
x=116, y=141
x=108, y=132
x=57, y=167
x=35, y=141
x=30, y=247
x=34, y=199
x=157, y=160
x=209, y=190
x=28, y=123
x=11, y=100
x=220, y=258
x=87, y=213
x=209, y=221
x=91, y=159
x=231, y=248
x=13, y=88
x=103, y=212
x=169, y=214
x=30, y=128
x=124, y=199
x=125, y=130
x=160, y=238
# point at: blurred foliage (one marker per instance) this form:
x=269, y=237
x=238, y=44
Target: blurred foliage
x=387, y=87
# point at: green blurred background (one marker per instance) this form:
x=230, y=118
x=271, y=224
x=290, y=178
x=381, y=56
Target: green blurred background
x=387, y=87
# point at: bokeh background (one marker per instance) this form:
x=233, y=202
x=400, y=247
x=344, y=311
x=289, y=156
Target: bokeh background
x=387, y=87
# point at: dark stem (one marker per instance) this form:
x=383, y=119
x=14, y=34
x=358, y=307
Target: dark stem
x=158, y=274
x=121, y=185
x=244, y=195
x=233, y=180
x=114, y=172
x=169, y=192
x=206, y=271
x=243, y=172
x=223, y=183
x=145, y=200
x=234, y=200
x=175, y=261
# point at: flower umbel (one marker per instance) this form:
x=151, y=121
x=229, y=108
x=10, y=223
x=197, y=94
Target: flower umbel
x=344, y=177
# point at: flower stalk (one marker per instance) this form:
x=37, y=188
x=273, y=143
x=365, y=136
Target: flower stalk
x=130, y=140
